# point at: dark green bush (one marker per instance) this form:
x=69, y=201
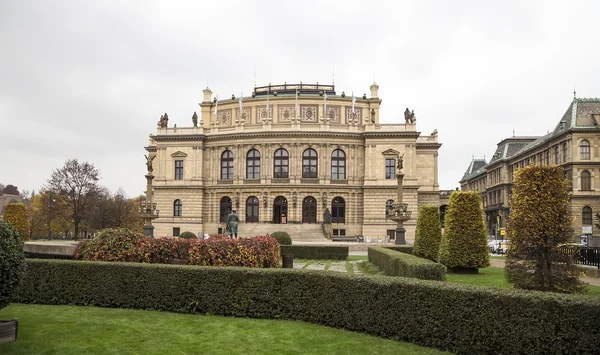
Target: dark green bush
x=12, y=261
x=187, y=235
x=407, y=249
x=464, y=245
x=282, y=237
x=428, y=234
x=461, y=318
x=395, y=263
x=320, y=252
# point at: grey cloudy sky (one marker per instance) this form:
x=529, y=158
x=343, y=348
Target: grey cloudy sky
x=90, y=79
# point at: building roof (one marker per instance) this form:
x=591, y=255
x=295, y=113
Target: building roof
x=476, y=167
x=511, y=146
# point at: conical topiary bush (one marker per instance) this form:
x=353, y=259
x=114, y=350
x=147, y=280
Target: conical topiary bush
x=429, y=233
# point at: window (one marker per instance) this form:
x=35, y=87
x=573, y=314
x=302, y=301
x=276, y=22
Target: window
x=339, y=232
x=565, y=153
x=252, y=209
x=584, y=150
x=390, y=168
x=178, y=169
x=547, y=157
x=391, y=233
x=176, y=231
x=586, y=216
x=556, y=155
x=227, y=165
x=253, y=164
x=586, y=181
x=338, y=165
x=225, y=207
x=177, y=208
x=281, y=164
x=338, y=210
x=309, y=164
x=389, y=207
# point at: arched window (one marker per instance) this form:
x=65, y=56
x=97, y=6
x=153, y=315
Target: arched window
x=556, y=155
x=338, y=210
x=252, y=209
x=253, y=164
x=584, y=150
x=281, y=164
x=177, y=208
x=586, y=181
x=227, y=165
x=586, y=216
x=338, y=165
x=389, y=207
x=224, y=209
x=309, y=164
x=565, y=153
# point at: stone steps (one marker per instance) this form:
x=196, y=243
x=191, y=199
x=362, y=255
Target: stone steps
x=302, y=232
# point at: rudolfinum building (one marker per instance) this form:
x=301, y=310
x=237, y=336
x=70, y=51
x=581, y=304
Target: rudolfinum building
x=283, y=156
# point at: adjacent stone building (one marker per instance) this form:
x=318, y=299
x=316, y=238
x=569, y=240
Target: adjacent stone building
x=573, y=144
x=284, y=155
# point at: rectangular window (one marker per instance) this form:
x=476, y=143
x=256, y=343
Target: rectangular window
x=176, y=231
x=178, y=169
x=390, y=168
x=391, y=233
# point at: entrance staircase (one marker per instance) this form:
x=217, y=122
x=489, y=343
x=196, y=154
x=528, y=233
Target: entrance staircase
x=300, y=232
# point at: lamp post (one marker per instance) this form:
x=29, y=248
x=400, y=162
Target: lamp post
x=400, y=212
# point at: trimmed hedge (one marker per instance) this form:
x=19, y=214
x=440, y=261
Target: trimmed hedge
x=282, y=237
x=461, y=318
x=328, y=252
x=428, y=234
x=187, y=235
x=12, y=262
x=407, y=249
x=395, y=263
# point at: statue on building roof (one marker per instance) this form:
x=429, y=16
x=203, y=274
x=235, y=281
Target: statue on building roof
x=195, y=119
x=409, y=116
x=164, y=121
x=413, y=119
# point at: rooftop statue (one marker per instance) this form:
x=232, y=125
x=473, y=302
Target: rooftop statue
x=164, y=121
x=195, y=119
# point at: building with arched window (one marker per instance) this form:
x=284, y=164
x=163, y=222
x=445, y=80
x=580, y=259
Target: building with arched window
x=286, y=154
x=572, y=144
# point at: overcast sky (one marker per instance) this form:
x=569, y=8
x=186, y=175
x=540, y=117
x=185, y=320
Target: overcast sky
x=90, y=79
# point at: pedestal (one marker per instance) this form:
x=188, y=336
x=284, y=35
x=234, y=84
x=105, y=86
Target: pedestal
x=400, y=238
x=149, y=230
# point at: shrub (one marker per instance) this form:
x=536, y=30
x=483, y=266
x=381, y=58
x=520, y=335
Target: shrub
x=114, y=244
x=407, y=249
x=540, y=221
x=15, y=214
x=11, y=262
x=461, y=318
x=316, y=252
x=261, y=251
x=429, y=233
x=187, y=235
x=395, y=263
x=464, y=245
x=282, y=237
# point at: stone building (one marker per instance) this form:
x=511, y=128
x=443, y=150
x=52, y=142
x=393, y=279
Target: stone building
x=284, y=155
x=573, y=144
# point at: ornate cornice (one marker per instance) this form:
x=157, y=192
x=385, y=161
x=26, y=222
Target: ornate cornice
x=151, y=148
x=429, y=145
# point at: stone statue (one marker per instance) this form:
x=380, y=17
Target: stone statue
x=164, y=121
x=327, y=216
x=149, y=160
x=400, y=163
x=407, y=115
x=232, y=224
x=434, y=133
x=413, y=119
x=195, y=119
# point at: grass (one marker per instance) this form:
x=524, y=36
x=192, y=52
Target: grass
x=357, y=257
x=89, y=330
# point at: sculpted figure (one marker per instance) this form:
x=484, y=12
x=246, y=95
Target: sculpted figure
x=413, y=119
x=327, y=216
x=407, y=115
x=149, y=160
x=400, y=163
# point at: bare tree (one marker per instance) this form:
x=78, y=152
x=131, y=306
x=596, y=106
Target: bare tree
x=78, y=184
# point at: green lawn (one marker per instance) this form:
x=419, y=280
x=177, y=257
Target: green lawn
x=90, y=330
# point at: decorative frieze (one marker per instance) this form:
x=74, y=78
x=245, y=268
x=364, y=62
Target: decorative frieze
x=309, y=113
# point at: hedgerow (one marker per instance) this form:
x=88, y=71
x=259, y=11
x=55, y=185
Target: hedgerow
x=428, y=234
x=461, y=318
x=12, y=262
x=394, y=263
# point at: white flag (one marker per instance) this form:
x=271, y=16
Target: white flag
x=296, y=106
x=325, y=104
x=216, y=105
x=268, y=100
x=353, y=101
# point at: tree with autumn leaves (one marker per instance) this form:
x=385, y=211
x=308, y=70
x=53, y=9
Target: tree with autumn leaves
x=539, y=221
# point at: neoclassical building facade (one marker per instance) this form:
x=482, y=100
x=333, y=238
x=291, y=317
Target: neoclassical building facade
x=283, y=156
x=574, y=144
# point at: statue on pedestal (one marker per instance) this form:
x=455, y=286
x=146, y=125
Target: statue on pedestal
x=149, y=160
x=409, y=116
x=400, y=163
x=327, y=216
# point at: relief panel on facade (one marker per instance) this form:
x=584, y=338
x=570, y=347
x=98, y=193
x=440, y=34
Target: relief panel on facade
x=333, y=113
x=263, y=114
x=309, y=113
x=286, y=113
x=245, y=116
x=224, y=117
x=355, y=117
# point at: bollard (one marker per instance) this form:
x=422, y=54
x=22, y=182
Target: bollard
x=288, y=261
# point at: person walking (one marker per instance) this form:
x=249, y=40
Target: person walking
x=232, y=224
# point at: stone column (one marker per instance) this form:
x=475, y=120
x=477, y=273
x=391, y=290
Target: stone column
x=400, y=231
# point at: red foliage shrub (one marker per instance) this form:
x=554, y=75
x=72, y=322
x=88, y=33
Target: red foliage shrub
x=261, y=251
